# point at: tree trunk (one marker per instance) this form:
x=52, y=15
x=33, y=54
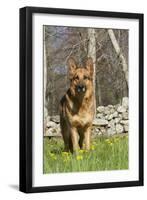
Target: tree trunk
x=119, y=53
x=92, y=54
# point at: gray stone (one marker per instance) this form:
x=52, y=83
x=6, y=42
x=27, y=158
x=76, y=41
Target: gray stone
x=100, y=133
x=55, y=118
x=117, y=120
x=100, y=122
x=111, y=123
x=107, y=111
x=103, y=130
x=115, y=114
x=120, y=115
x=106, y=117
x=58, y=126
x=110, y=117
x=51, y=124
x=124, y=122
x=101, y=109
x=125, y=102
x=100, y=115
x=119, y=128
x=121, y=109
x=126, y=128
x=95, y=131
x=111, y=127
x=53, y=132
x=111, y=131
x=116, y=106
x=112, y=111
x=110, y=106
x=125, y=115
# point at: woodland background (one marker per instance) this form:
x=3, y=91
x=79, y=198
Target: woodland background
x=107, y=47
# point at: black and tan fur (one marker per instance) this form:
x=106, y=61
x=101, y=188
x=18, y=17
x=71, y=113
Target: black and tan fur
x=77, y=107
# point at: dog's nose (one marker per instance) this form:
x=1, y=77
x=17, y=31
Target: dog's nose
x=81, y=88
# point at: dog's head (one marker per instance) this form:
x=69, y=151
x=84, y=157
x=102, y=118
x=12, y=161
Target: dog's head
x=81, y=78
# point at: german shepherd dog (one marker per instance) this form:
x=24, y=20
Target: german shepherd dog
x=77, y=107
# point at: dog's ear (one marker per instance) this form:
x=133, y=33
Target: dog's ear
x=89, y=66
x=72, y=67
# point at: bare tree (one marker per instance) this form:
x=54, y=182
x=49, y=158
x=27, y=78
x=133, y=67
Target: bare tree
x=92, y=54
x=119, y=53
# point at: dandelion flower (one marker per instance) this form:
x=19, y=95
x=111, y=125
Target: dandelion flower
x=92, y=147
x=79, y=157
x=111, y=144
x=81, y=151
x=64, y=153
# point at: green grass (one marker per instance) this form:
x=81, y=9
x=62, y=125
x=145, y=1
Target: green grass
x=105, y=154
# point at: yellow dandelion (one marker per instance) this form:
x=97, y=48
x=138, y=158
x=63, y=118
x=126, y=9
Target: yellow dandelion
x=81, y=151
x=92, y=147
x=84, y=151
x=64, y=153
x=111, y=144
x=79, y=157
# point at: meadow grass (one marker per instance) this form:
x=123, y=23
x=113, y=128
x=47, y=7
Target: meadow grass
x=105, y=154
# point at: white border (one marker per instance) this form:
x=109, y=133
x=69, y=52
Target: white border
x=40, y=179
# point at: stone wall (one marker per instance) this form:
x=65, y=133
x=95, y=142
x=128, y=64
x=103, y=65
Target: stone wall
x=110, y=120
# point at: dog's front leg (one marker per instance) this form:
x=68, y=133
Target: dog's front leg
x=87, y=138
x=74, y=138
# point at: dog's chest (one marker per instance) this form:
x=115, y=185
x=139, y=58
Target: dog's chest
x=80, y=114
x=82, y=117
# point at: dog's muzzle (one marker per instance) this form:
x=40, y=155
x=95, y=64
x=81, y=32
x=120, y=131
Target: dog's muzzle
x=81, y=88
